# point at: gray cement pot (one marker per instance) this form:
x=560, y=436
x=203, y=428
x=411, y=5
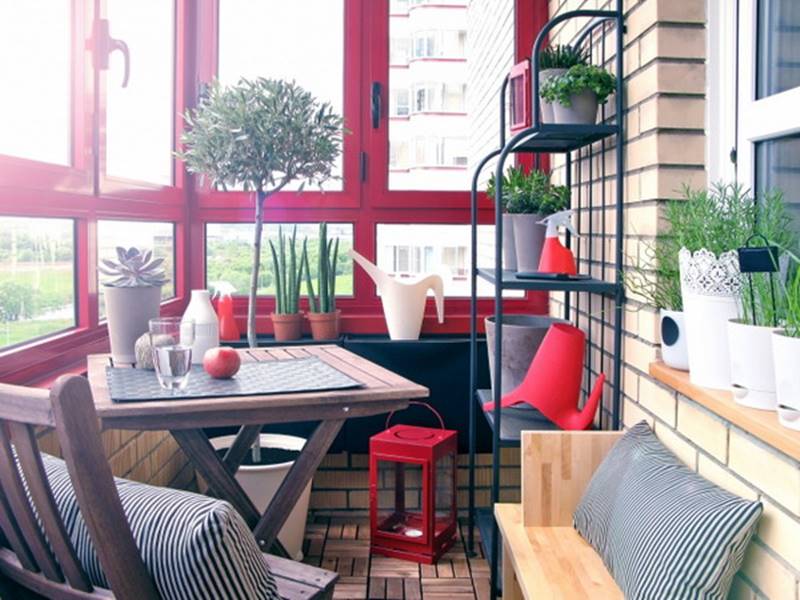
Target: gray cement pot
x=129, y=310
x=582, y=111
x=522, y=336
x=528, y=241
x=547, y=107
x=509, y=247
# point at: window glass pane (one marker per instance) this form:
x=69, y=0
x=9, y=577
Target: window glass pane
x=37, y=278
x=428, y=66
x=409, y=251
x=139, y=117
x=229, y=254
x=35, y=58
x=145, y=235
x=778, y=167
x=259, y=38
x=778, y=63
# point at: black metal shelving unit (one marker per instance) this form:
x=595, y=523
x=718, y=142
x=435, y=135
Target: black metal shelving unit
x=507, y=423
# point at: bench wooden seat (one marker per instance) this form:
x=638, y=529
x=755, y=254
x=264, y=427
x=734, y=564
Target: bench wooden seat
x=543, y=556
x=37, y=556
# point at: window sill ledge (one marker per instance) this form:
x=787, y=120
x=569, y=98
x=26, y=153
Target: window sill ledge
x=761, y=424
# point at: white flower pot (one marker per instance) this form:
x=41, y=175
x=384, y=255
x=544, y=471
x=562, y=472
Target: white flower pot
x=547, y=107
x=206, y=324
x=710, y=290
x=752, y=368
x=786, y=360
x=528, y=239
x=673, y=340
x=509, y=247
x=128, y=311
x=260, y=482
x=581, y=111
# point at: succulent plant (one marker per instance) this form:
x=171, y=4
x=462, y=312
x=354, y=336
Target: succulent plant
x=133, y=268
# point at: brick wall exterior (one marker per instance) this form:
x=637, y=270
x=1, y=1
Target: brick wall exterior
x=665, y=148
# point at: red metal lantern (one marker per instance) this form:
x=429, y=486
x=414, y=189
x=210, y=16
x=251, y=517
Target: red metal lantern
x=412, y=491
x=519, y=98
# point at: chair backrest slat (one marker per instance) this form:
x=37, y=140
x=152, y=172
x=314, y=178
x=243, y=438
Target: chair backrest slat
x=21, y=509
x=30, y=460
x=13, y=535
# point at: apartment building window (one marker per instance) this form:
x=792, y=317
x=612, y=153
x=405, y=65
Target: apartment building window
x=440, y=44
x=399, y=51
x=399, y=105
x=440, y=97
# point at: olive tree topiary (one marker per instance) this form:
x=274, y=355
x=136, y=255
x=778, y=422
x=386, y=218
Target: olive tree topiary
x=262, y=134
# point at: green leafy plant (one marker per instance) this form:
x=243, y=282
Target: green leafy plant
x=791, y=293
x=655, y=275
x=577, y=79
x=288, y=271
x=561, y=56
x=530, y=193
x=262, y=134
x=326, y=274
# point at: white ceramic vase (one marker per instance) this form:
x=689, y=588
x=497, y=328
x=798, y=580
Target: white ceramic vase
x=674, y=352
x=206, y=324
x=710, y=287
x=752, y=368
x=403, y=303
x=786, y=360
x=128, y=312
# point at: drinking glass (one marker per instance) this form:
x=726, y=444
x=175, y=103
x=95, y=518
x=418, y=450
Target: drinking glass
x=171, y=339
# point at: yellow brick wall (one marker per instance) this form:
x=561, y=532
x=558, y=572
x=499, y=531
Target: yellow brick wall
x=664, y=148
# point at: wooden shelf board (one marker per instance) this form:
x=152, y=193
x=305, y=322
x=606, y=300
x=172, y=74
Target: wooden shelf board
x=762, y=424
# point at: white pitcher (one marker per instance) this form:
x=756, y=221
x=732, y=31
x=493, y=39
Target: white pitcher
x=206, y=324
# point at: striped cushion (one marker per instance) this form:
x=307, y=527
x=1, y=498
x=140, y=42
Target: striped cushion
x=193, y=546
x=662, y=530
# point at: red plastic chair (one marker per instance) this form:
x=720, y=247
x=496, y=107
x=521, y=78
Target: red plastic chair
x=553, y=382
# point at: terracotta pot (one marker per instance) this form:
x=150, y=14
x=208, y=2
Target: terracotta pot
x=287, y=327
x=324, y=326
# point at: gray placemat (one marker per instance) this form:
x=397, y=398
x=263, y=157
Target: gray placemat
x=253, y=379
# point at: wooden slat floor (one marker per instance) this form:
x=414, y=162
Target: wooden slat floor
x=341, y=544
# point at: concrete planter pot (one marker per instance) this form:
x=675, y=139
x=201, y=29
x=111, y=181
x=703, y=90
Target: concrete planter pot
x=128, y=311
x=752, y=369
x=509, y=245
x=673, y=340
x=528, y=241
x=260, y=482
x=522, y=336
x=547, y=107
x=786, y=358
x=582, y=110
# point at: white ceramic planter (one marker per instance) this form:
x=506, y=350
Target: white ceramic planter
x=206, y=324
x=752, y=368
x=582, y=110
x=128, y=311
x=710, y=290
x=262, y=481
x=673, y=340
x=509, y=246
x=547, y=107
x=528, y=239
x=786, y=360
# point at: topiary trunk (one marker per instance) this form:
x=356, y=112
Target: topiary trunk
x=260, y=197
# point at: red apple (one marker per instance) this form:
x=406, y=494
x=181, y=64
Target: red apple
x=222, y=362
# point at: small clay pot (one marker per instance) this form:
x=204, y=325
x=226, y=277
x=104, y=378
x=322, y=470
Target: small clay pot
x=324, y=326
x=287, y=327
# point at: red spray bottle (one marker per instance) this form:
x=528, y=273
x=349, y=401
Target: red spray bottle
x=228, y=331
x=556, y=258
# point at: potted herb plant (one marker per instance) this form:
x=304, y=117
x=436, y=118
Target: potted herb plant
x=262, y=134
x=554, y=61
x=323, y=314
x=287, y=320
x=786, y=352
x=576, y=94
x=132, y=294
x=762, y=307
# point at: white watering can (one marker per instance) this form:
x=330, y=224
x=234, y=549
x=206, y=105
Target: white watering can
x=403, y=303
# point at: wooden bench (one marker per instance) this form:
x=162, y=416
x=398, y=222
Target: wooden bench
x=32, y=566
x=543, y=556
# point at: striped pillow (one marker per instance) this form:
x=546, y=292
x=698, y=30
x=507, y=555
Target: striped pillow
x=192, y=545
x=662, y=530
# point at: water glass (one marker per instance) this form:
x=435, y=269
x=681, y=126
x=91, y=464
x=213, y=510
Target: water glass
x=171, y=339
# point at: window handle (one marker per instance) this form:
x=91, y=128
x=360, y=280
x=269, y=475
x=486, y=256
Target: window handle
x=376, y=104
x=104, y=45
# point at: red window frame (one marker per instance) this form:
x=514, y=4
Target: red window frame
x=83, y=193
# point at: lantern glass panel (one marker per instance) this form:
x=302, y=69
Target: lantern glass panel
x=444, y=497
x=400, y=510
